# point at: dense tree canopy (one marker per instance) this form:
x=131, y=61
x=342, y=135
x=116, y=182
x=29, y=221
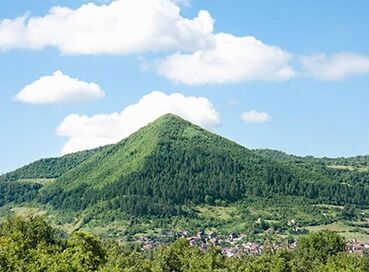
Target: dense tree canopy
x=32, y=245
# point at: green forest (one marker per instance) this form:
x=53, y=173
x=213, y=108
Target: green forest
x=171, y=163
x=173, y=175
x=32, y=245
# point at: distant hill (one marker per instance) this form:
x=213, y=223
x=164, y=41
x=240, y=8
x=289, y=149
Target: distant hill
x=170, y=165
x=49, y=168
x=357, y=161
x=350, y=170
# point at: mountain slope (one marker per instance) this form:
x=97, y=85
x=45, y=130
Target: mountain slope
x=48, y=168
x=23, y=184
x=171, y=165
x=351, y=170
x=169, y=162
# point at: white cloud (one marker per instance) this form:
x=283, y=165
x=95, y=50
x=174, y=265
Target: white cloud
x=120, y=27
x=59, y=88
x=85, y=132
x=335, y=67
x=232, y=59
x=254, y=116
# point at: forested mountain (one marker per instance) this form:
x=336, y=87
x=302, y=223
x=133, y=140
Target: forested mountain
x=170, y=165
x=357, y=161
x=351, y=170
x=49, y=168
x=23, y=184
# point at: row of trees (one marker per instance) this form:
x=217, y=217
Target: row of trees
x=32, y=245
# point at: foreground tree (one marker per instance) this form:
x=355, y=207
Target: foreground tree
x=32, y=245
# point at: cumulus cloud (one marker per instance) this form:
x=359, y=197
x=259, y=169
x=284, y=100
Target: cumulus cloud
x=59, y=88
x=85, y=132
x=120, y=27
x=231, y=59
x=137, y=26
x=254, y=116
x=335, y=67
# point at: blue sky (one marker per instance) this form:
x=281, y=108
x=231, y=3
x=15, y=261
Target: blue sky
x=306, y=78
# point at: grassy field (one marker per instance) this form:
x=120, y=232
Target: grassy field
x=337, y=227
x=41, y=181
x=343, y=229
x=27, y=211
x=349, y=168
x=219, y=212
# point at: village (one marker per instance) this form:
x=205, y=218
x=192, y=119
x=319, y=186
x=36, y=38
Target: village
x=234, y=244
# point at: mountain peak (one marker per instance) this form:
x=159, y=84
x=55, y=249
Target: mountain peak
x=167, y=123
x=171, y=117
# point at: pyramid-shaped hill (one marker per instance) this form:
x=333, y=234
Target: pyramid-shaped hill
x=167, y=163
x=168, y=147
x=167, y=167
